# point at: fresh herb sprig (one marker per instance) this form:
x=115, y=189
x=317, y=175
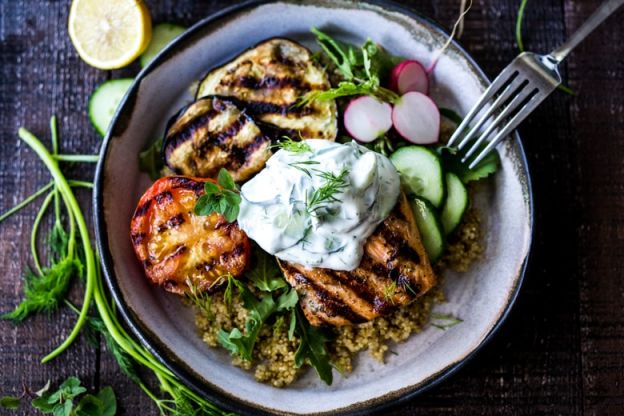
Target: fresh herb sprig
x=444, y=321
x=223, y=198
x=127, y=351
x=362, y=70
x=64, y=401
x=332, y=186
x=292, y=146
x=311, y=347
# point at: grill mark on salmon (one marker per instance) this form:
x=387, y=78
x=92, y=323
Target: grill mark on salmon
x=389, y=275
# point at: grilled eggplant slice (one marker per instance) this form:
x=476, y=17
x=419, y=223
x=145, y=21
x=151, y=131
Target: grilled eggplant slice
x=213, y=133
x=394, y=271
x=268, y=79
x=180, y=250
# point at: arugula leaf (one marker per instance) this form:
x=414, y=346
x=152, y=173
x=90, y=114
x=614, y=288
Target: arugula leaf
x=362, y=69
x=224, y=200
x=10, y=402
x=242, y=344
x=312, y=348
x=265, y=274
x=151, y=160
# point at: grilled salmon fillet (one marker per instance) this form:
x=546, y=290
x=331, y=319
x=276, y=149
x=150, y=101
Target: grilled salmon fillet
x=268, y=79
x=179, y=249
x=213, y=133
x=394, y=271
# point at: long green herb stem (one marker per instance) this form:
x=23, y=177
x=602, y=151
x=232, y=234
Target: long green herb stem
x=75, y=211
x=33, y=235
x=77, y=158
x=519, y=20
x=28, y=200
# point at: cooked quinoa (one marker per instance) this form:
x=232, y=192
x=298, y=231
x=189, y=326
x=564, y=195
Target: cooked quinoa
x=274, y=354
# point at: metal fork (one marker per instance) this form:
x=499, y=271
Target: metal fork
x=518, y=90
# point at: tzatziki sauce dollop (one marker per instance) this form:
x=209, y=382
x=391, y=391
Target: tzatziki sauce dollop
x=317, y=205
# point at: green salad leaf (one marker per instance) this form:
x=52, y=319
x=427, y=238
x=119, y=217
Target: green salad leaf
x=265, y=274
x=312, y=348
x=362, y=69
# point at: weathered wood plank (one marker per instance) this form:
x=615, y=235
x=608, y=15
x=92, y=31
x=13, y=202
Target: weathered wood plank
x=596, y=71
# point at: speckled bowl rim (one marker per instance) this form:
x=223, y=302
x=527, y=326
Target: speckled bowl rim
x=119, y=123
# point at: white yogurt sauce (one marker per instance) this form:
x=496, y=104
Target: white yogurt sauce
x=284, y=211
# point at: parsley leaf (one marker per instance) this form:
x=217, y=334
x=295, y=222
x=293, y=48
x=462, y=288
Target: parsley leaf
x=223, y=199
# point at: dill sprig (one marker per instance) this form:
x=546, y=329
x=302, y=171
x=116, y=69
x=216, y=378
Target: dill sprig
x=293, y=146
x=333, y=185
x=444, y=321
x=303, y=166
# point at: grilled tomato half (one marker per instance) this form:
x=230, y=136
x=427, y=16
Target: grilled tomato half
x=180, y=250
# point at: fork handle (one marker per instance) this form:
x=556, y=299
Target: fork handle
x=605, y=10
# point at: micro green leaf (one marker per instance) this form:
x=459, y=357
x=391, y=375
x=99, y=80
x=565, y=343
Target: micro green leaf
x=226, y=181
x=223, y=199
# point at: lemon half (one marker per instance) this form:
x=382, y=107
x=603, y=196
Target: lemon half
x=109, y=34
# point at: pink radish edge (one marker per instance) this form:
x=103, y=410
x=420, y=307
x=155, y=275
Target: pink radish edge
x=409, y=75
x=366, y=118
x=417, y=118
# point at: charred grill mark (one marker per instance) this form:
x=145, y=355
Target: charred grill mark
x=236, y=252
x=142, y=210
x=261, y=107
x=333, y=307
x=146, y=264
x=172, y=222
x=180, y=182
x=267, y=82
x=163, y=197
x=223, y=138
x=137, y=238
x=241, y=155
x=401, y=247
x=355, y=283
x=187, y=131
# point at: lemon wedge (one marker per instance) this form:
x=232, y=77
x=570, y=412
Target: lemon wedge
x=109, y=34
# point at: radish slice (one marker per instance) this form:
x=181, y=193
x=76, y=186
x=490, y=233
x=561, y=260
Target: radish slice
x=416, y=117
x=366, y=118
x=409, y=76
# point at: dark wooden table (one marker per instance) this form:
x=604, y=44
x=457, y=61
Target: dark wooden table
x=562, y=349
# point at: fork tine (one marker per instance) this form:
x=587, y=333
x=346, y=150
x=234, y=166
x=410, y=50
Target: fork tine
x=505, y=77
x=513, y=88
x=513, y=123
x=513, y=105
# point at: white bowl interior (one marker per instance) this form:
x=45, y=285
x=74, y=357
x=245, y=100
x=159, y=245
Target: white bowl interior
x=479, y=297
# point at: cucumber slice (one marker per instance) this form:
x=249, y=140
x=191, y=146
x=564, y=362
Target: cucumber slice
x=421, y=171
x=104, y=102
x=162, y=35
x=455, y=204
x=429, y=226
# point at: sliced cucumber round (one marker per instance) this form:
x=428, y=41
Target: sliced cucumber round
x=429, y=226
x=162, y=35
x=455, y=204
x=104, y=102
x=421, y=172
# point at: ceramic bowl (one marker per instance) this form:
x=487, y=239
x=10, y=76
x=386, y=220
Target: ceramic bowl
x=481, y=297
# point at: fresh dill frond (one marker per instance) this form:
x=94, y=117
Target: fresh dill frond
x=293, y=146
x=199, y=298
x=303, y=166
x=44, y=293
x=332, y=186
x=389, y=291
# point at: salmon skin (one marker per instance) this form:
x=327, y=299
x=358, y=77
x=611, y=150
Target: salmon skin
x=214, y=133
x=268, y=79
x=180, y=250
x=394, y=271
